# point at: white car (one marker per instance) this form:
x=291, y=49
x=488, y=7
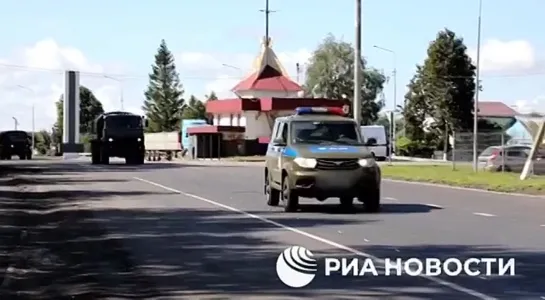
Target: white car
x=376, y=135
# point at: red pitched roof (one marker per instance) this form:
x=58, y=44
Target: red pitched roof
x=269, y=79
x=495, y=109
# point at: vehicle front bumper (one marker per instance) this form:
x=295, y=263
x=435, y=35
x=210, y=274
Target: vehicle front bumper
x=323, y=184
x=124, y=147
x=9, y=150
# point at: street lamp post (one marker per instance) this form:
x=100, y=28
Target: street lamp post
x=394, y=75
x=15, y=121
x=476, y=102
x=357, y=65
x=120, y=89
x=33, y=116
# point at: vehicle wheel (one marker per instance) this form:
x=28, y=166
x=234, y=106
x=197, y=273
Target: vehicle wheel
x=289, y=196
x=29, y=156
x=504, y=168
x=371, y=199
x=140, y=159
x=22, y=157
x=95, y=159
x=347, y=202
x=272, y=195
x=8, y=157
x=104, y=158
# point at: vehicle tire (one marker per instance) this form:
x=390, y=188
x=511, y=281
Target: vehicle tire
x=22, y=157
x=95, y=158
x=95, y=154
x=272, y=195
x=371, y=199
x=140, y=159
x=289, y=196
x=104, y=157
x=29, y=156
x=504, y=169
x=347, y=202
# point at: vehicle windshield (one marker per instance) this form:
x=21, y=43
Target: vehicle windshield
x=16, y=136
x=124, y=122
x=311, y=132
x=490, y=151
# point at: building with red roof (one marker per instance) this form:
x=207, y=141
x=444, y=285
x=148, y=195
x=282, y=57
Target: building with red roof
x=243, y=125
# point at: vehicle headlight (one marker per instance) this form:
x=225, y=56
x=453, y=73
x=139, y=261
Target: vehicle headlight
x=366, y=162
x=110, y=140
x=139, y=139
x=307, y=163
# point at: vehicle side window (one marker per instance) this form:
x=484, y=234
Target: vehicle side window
x=275, y=130
x=284, y=132
x=515, y=153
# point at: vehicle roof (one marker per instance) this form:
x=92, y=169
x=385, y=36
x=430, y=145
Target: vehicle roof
x=14, y=131
x=314, y=117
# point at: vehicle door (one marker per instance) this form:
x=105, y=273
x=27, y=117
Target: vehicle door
x=515, y=158
x=271, y=156
x=279, y=143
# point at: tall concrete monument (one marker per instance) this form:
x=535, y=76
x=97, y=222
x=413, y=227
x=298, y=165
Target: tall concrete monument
x=70, y=138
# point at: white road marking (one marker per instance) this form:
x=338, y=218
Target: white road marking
x=483, y=214
x=433, y=205
x=436, y=280
x=543, y=225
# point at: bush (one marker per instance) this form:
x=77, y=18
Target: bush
x=407, y=147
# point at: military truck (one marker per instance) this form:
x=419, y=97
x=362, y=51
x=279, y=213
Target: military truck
x=15, y=142
x=118, y=134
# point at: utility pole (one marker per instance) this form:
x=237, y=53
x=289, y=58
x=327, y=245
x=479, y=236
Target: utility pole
x=356, y=102
x=15, y=121
x=394, y=75
x=477, y=91
x=267, y=12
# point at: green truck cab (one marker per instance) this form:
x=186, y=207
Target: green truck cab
x=15, y=142
x=118, y=134
x=319, y=153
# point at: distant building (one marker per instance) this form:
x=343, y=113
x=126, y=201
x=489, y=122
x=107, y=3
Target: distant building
x=243, y=125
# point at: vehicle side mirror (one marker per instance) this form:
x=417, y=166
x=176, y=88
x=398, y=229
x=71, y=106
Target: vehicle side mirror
x=279, y=142
x=371, y=142
x=146, y=123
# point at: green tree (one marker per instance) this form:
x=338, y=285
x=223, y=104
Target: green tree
x=443, y=89
x=194, y=109
x=163, y=105
x=330, y=74
x=211, y=97
x=89, y=108
x=42, y=141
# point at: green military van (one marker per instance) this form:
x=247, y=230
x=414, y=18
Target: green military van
x=319, y=153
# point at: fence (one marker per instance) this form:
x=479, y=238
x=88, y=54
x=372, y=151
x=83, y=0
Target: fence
x=461, y=151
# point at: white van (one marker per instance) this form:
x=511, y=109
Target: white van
x=379, y=145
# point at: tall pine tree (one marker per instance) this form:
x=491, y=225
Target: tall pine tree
x=164, y=96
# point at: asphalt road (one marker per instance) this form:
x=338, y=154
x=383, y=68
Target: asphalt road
x=178, y=231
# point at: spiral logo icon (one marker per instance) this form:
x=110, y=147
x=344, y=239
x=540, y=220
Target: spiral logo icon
x=296, y=267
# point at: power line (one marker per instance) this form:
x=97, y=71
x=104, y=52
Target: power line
x=141, y=76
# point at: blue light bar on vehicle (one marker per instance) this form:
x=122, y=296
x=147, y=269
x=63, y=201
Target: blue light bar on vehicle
x=321, y=111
